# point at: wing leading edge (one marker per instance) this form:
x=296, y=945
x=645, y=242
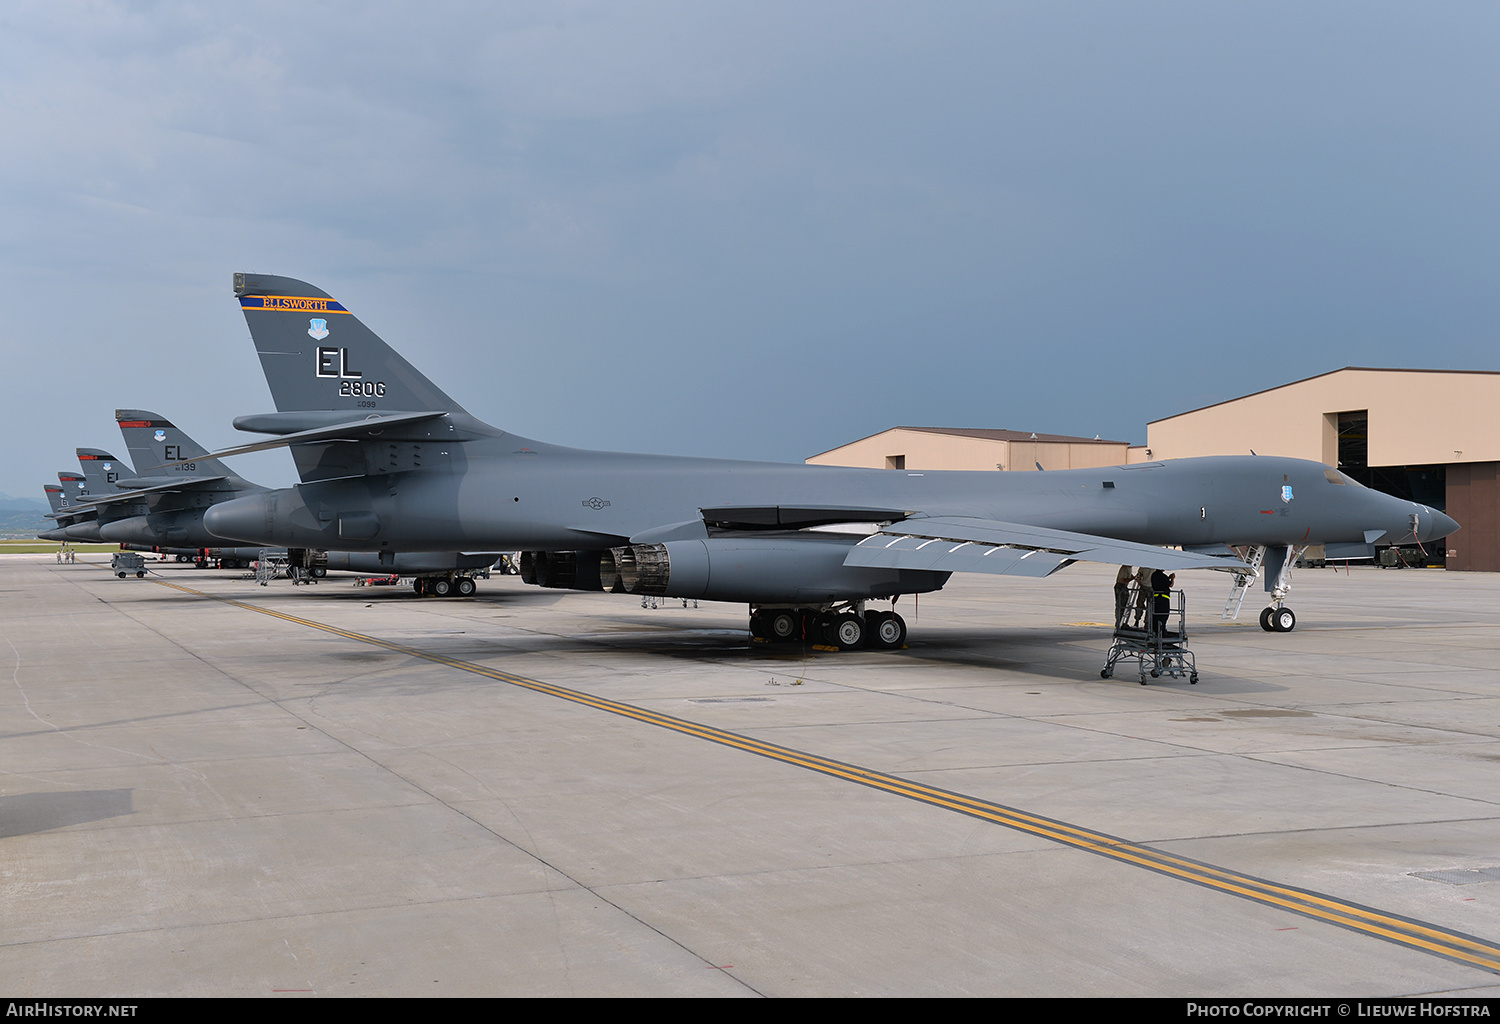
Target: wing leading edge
x=962, y=544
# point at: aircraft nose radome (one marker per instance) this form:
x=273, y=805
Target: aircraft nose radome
x=1441, y=526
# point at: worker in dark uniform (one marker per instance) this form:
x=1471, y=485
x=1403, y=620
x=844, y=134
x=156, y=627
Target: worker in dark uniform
x=1161, y=600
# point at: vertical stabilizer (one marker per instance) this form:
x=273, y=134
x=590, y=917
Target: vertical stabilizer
x=74, y=486
x=155, y=445
x=317, y=356
x=102, y=470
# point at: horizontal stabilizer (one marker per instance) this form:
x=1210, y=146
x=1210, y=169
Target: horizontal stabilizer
x=962, y=544
x=188, y=484
x=369, y=428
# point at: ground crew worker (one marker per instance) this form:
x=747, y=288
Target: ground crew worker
x=1122, y=593
x=1142, y=595
x=1161, y=600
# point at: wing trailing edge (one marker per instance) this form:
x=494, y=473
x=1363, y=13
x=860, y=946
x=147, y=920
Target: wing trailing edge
x=962, y=544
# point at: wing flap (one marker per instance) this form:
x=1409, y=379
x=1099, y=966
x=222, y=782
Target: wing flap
x=882, y=551
x=964, y=544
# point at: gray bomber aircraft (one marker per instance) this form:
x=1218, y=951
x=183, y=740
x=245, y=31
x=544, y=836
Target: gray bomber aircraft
x=165, y=511
x=389, y=462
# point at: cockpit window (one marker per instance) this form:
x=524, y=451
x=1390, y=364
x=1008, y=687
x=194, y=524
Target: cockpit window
x=1335, y=477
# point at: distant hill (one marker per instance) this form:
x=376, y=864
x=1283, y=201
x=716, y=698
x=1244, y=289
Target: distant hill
x=22, y=517
x=10, y=504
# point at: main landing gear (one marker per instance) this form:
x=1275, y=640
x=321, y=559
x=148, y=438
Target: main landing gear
x=846, y=627
x=445, y=586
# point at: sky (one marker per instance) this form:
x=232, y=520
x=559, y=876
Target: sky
x=754, y=230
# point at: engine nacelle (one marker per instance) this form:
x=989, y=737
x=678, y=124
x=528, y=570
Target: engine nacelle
x=798, y=568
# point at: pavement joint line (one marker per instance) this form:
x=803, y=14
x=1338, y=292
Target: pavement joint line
x=1408, y=932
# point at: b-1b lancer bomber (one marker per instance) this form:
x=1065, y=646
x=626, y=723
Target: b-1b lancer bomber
x=389, y=462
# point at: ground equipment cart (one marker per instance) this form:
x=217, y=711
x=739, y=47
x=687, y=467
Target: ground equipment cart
x=1157, y=642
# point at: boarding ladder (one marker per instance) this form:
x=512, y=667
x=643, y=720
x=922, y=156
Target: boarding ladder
x=1243, y=579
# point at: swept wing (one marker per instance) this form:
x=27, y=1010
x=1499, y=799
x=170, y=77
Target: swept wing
x=964, y=544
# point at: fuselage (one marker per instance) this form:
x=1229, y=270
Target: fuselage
x=506, y=492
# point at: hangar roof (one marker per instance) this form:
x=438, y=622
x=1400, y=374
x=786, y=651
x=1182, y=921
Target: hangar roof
x=973, y=448
x=987, y=434
x=1304, y=380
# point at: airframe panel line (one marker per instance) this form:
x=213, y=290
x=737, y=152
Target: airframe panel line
x=1419, y=935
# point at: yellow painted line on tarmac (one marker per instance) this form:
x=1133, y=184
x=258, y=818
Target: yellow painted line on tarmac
x=1404, y=931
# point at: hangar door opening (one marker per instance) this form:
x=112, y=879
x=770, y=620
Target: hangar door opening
x=1426, y=484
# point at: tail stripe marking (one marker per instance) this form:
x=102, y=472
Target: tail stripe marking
x=290, y=304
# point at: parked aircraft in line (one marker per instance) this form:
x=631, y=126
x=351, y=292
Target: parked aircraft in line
x=164, y=511
x=65, y=511
x=152, y=512
x=77, y=519
x=389, y=462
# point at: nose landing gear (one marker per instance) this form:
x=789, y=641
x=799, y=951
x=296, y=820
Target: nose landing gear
x=1277, y=619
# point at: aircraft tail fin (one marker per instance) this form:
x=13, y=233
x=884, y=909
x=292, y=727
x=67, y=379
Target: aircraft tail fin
x=74, y=486
x=101, y=469
x=154, y=442
x=54, y=496
x=317, y=356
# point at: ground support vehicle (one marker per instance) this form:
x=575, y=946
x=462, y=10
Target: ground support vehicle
x=123, y=563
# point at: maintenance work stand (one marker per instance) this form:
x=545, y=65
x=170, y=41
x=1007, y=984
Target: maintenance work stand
x=1158, y=642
